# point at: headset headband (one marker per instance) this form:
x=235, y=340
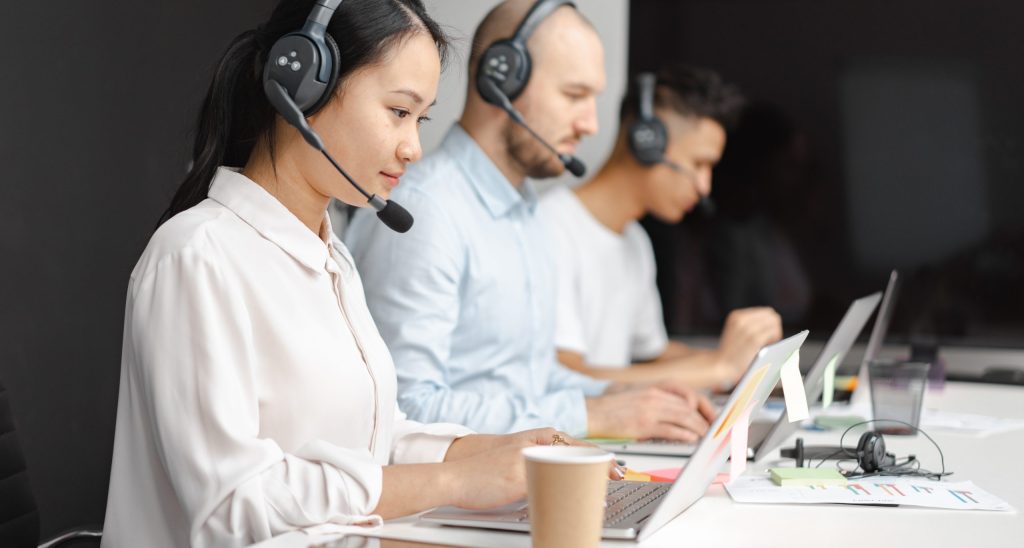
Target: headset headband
x=316, y=27
x=322, y=12
x=537, y=13
x=645, y=86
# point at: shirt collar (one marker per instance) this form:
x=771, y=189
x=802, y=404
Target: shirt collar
x=262, y=211
x=498, y=195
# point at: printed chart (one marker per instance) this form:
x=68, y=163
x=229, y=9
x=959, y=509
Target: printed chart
x=962, y=495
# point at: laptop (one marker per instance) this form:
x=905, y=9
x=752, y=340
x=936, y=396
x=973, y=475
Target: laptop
x=635, y=510
x=862, y=393
x=766, y=436
x=835, y=349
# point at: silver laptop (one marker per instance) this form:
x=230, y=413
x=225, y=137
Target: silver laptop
x=836, y=348
x=764, y=435
x=635, y=510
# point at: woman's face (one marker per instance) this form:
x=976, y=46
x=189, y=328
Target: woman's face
x=371, y=127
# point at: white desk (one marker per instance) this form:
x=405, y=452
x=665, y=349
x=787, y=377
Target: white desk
x=995, y=463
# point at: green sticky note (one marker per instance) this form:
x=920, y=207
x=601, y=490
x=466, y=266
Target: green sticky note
x=788, y=477
x=829, y=383
x=607, y=441
x=837, y=422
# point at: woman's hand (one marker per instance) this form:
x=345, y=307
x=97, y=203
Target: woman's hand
x=468, y=446
x=489, y=479
x=490, y=471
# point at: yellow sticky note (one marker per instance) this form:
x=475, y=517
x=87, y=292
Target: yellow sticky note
x=742, y=401
x=829, y=383
x=633, y=475
x=793, y=389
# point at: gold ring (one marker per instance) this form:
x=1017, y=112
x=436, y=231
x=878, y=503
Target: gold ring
x=557, y=439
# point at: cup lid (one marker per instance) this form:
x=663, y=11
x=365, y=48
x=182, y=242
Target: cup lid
x=561, y=454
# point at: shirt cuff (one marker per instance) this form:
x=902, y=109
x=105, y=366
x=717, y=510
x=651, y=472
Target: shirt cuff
x=427, y=447
x=593, y=387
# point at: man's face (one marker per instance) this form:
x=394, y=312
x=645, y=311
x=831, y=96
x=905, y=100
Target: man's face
x=560, y=100
x=695, y=145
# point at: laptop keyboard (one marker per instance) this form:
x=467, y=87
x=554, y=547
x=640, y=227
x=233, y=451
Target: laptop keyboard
x=626, y=498
x=623, y=501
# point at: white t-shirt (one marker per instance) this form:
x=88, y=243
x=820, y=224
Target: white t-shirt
x=609, y=309
x=256, y=396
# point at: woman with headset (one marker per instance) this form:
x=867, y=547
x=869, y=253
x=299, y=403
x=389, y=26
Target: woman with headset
x=256, y=394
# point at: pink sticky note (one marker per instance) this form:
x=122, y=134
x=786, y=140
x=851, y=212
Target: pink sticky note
x=738, y=444
x=669, y=475
x=664, y=474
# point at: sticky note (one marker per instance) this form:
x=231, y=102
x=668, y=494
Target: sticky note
x=837, y=422
x=788, y=477
x=829, y=383
x=664, y=474
x=610, y=440
x=633, y=475
x=668, y=475
x=793, y=389
x=738, y=444
x=741, y=401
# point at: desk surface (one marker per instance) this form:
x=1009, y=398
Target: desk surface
x=994, y=463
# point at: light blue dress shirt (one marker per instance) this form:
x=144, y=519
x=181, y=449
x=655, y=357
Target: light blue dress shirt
x=466, y=299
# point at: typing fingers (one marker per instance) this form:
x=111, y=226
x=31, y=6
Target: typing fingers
x=683, y=416
x=667, y=431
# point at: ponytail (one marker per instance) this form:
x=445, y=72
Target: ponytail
x=233, y=117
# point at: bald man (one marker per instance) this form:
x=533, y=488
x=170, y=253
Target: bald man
x=465, y=299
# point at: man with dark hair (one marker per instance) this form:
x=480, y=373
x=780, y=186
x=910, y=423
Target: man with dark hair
x=609, y=322
x=466, y=299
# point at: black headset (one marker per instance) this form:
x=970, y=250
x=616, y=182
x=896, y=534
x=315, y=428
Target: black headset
x=872, y=458
x=299, y=78
x=507, y=62
x=647, y=136
x=871, y=455
x=305, y=62
x=504, y=70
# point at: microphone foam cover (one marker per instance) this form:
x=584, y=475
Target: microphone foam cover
x=396, y=217
x=574, y=165
x=707, y=206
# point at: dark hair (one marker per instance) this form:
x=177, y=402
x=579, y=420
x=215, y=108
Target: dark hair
x=236, y=116
x=692, y=92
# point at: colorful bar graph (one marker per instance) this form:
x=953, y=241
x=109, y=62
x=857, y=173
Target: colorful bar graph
x=890, y=489
x=922, y=489
x=854, y=487
x=962, y=495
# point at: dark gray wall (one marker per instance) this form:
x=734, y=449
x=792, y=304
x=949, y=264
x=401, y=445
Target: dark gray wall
x=938, y=136
x=98, y=100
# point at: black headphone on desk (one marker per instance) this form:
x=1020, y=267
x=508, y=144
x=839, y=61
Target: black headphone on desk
x=299, y=78
x=504, y=70
x=871, y=455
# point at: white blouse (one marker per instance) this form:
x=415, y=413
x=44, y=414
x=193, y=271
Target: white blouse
x=256, y=393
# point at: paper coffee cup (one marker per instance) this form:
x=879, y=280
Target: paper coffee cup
x=566, y=488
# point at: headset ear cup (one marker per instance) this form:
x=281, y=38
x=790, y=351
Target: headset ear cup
x=870, y=452
x=508, y=65
x=648, y=140
x=332, y=47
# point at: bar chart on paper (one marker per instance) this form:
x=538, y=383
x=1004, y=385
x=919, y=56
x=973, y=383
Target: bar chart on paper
x=962, y=495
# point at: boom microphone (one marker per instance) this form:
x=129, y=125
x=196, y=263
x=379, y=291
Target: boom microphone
x=705, y=205
x=491, y=89
x=396, y=217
